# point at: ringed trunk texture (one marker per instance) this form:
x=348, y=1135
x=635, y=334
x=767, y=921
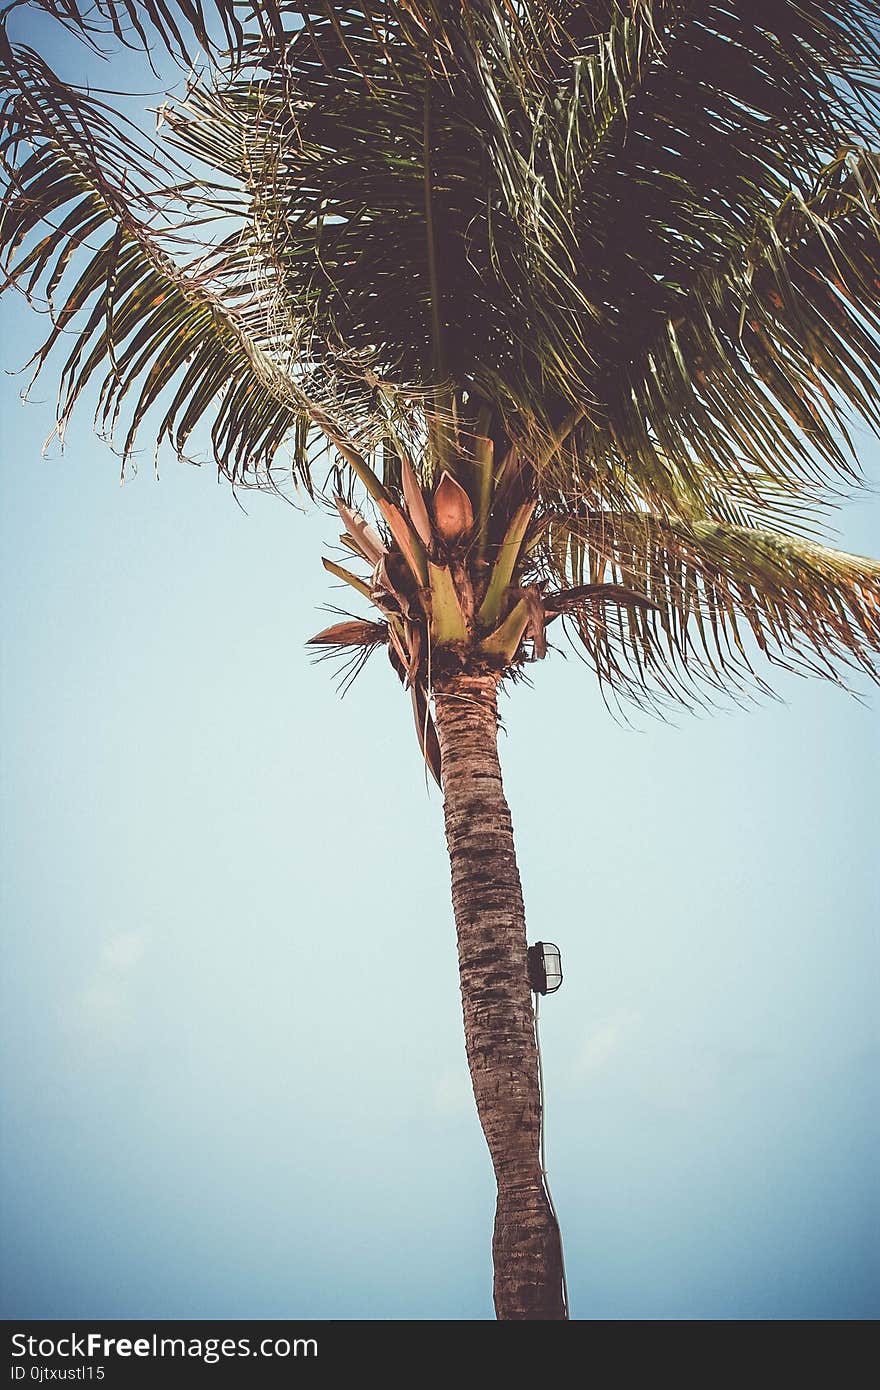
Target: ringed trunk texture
x=497, y=1003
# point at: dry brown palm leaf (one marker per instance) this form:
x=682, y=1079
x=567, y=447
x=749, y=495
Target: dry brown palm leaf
x=354, y=633
x=426, y=732
x=565, y=600
x=415, y=503
x=407, y=539
x=366, y=538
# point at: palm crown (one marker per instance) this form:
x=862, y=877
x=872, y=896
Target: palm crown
x=609, y=271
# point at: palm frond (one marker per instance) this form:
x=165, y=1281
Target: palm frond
x=723, y=594
x=669, y=223
x=143, y=326
x=761, y=359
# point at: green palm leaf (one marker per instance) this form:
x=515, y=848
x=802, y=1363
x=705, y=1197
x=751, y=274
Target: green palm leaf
x=723, y=593
x=190, y=338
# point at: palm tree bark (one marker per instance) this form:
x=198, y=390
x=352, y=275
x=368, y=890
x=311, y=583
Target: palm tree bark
x=497, y=1004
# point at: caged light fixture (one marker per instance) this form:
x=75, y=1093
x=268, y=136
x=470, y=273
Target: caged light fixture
x=545, y=967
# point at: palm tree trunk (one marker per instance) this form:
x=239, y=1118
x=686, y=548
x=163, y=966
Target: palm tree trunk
x=498, y=1017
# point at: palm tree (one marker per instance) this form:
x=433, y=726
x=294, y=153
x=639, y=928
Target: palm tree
x=568, y=307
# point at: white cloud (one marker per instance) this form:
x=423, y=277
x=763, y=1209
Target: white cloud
x=102, y=1006
x=604, y=1042
x=122, y=953
x=669, y=1069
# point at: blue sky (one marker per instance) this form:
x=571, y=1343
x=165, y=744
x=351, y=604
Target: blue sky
x=234, y=1076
